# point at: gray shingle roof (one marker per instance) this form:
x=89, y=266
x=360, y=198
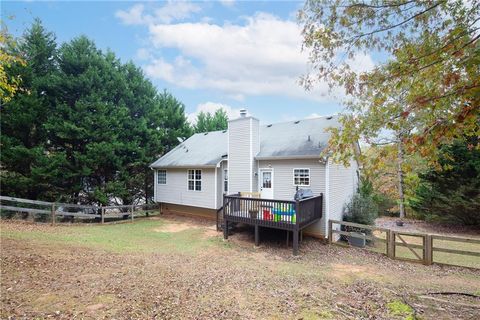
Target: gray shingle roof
x=304, y=138
x=199, y=150
x=295, y=139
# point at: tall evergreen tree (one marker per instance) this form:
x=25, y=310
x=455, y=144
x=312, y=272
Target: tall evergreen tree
x=24, y=157
x=451, y=193
x=88, y=126
x=211, y=122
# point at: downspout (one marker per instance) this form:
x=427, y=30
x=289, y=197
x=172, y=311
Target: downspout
x=251, y=155
x=154, y=185
x=218, y=165
x=327, y=194
x=216, y=182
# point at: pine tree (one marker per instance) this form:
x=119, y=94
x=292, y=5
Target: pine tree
x=87, y=126
x=207, y=122
x=25, y=158
x=451, y=193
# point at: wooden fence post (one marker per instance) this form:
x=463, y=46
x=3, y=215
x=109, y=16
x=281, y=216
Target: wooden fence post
x=131, y=210
x=102, y=213
x=428, y=250
x=330, y=233
x=53, y=213
x=391, y=244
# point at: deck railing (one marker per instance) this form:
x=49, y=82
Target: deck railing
x=267, y=212
x=310, y=210
x=283, y=214
x=278, y=214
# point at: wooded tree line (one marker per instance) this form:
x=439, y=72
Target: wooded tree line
x=83, y=126
x=417, y=110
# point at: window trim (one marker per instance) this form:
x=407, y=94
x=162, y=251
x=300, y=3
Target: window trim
x=194, y=180
x=162, y=184
x=309, y=177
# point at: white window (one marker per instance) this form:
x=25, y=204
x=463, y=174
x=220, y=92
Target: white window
x=195, y=180
x=162, y=176
x=301, y=177
x=225, y=180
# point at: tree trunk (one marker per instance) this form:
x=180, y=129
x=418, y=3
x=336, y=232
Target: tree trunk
x=400, y=159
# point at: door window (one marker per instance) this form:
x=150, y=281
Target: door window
x=267, y=180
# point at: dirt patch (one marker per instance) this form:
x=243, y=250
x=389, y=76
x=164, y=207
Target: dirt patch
x=178, y=224
x=211, y=232
x=175, y=227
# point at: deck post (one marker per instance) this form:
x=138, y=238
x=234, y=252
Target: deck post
x=102, y=212
x=296, y=228
x=330, y=231
x=295, y=242
x=257, y=236
x=225, y=229
x=132, y=208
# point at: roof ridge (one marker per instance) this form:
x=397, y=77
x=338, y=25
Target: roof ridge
x=208, y=132
x=304, y=119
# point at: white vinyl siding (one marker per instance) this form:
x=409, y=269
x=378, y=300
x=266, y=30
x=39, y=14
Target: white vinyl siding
x=342, y=185
x=176, y=191
x=283, y=188
x=255, y=151
x=162, y=176
x=243, y=146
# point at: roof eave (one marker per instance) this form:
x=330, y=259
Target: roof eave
x=192, y=166
x=296, y=157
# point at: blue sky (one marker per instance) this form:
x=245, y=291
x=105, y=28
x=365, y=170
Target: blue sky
x=230, y=54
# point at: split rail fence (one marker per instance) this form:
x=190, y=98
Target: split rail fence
x=409, y=246
x=56, y=209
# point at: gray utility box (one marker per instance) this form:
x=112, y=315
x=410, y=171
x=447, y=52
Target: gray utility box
x=357, y=239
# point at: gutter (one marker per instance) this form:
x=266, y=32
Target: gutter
x=191, y=166
x=289, y=157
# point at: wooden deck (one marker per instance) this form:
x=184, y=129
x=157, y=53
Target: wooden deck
x=278, y=214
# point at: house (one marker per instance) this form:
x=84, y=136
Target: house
x=273, y=160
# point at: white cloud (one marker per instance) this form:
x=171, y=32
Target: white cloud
x=361, y=62
x=211, y=107
x=171, y=11
x=133, y=16
x=260, y=56
x=159, y=66
x=228, y=3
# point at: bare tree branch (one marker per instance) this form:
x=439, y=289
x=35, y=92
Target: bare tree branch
x=356, y=38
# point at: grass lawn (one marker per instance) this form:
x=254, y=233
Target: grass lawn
x=176, y=268
x=141, y=236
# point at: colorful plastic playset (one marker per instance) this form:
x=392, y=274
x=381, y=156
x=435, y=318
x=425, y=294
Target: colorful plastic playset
x=280, y=213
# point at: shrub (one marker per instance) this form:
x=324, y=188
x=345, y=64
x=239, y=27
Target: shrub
x=361, y=209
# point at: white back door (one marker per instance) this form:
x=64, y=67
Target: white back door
x=266, y=183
